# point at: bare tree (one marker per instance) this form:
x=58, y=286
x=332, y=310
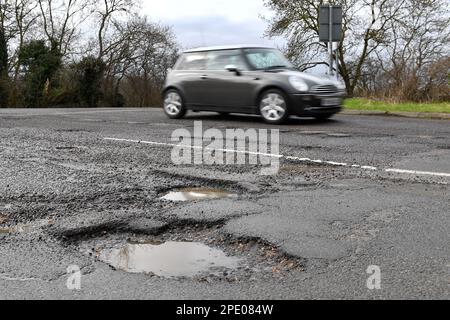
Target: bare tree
x=106, y=11
x=25, y=18
x=5, y=12
x=364, y=24
x=61, y=20
x=155, y=51
x=137, y=54
x=415, y=42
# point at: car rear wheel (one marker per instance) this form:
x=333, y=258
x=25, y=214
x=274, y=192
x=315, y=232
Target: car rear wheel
x=173, y=104
x=273, y=106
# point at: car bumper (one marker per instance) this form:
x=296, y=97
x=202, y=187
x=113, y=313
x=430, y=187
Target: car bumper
x=315, y=105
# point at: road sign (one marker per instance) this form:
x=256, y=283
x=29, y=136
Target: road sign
x=330, y=30
x=335, y=22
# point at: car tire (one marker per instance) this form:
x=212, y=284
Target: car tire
x=174, y=106
x=273, y=106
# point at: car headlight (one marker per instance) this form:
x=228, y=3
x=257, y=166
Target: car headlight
x=298, y=84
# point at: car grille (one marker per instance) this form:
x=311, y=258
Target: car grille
x=328, y=89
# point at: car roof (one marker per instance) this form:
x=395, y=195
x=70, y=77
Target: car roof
x=229, y=47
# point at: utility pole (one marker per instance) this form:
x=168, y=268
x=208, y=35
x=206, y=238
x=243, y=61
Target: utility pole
x=337, y=62
x=330, y=42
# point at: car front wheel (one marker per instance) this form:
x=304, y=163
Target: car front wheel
x=273, y=106
x=173, y=104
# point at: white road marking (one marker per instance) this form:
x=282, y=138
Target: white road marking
x=94, y=111
x=317, y=161
x=196, y=147
x=56, y=113
x=420, y=173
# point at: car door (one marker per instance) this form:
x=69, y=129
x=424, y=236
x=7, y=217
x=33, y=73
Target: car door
x=227, y=90
x=191, y=76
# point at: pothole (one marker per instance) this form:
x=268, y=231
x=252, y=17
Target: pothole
x=199, y=253
x=71, y=130
x=20, y=228
x=26, y=227
x=313, y=132
x=3, y=218
x=65, y=148
x=293, y=168
x=192, y=194
x=168, y=260
x=339, y=135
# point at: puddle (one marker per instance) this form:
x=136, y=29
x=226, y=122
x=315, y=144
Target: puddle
x=191, y=194
x=169, y=259
x=339, y=135
x=191, y=252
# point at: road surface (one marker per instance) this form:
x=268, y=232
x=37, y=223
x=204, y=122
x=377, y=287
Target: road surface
x=351, y=193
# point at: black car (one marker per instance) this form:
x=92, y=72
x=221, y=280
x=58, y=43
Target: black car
x=251, y=80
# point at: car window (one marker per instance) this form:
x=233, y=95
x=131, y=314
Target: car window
x=192, y=61
x=218, y=60
x=266, y=58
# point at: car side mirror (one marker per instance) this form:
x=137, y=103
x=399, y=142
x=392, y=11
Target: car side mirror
x=233, y=68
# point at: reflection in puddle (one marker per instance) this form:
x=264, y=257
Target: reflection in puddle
x=170, y=259
x=339, y=135
x=191, y=194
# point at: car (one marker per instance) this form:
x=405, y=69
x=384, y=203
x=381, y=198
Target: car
x=250, y=80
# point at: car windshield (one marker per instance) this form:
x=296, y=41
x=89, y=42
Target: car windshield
x=267, y=59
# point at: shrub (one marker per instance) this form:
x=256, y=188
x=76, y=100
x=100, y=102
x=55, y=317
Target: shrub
x=88, y=76
x=41, y=64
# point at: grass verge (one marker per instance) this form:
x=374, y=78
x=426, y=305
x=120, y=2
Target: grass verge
x=375, y=105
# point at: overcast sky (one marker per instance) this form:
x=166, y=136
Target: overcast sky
x=213, y=22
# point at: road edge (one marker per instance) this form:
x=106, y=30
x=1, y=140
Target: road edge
x=418, y=115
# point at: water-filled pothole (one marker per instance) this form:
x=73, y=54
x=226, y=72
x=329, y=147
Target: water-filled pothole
x=192, y=194
x=170, y=259
x=200, y=253
x=339, y=135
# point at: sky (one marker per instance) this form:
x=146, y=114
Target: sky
x=213, y=22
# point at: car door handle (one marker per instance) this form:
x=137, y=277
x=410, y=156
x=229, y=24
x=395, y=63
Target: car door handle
x=204, y=77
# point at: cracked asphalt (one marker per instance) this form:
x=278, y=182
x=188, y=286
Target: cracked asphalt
x=62, y=183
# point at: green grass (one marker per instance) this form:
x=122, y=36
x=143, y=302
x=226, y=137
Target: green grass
x=375, y=105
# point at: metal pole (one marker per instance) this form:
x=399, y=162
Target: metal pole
x=337, y=63
x=331, y=40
